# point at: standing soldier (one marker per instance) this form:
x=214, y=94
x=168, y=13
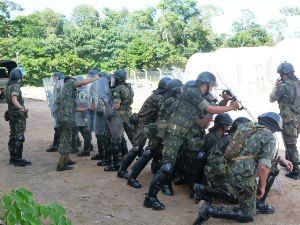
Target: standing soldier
x=249, y=152
x=185, y=115
x=16, y=115
x=123, y=98
x=66, y=117
x=147, y=114
x=58, y=85
x=287, y=94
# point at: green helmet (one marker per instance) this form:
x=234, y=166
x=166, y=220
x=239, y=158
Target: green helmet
x=17, y=73
x=285, y=68
x=271, y=120
x=120, y=75
x=206, y=78
x=174, y=87
x=222, y=120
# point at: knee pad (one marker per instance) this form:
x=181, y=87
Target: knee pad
x=167, y=169
x=136, y=149
x=201, y=157
x=21, y=138
x=147, y=154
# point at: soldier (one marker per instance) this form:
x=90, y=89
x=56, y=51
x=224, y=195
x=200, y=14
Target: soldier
x=250, y=151
x=80, y=119
x=123, y=98
x=185, y=115
x=147, y=114
x=16, y=115
x=58, y=85
x=173, y=92
x=287, y=94
x=66, y=118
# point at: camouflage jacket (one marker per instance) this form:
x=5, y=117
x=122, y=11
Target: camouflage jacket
x=67, y=102
x=189, y=107
x=210, y=140
x=285, y=94
x=13, y=90
x=216, y=153
x=149, y=110
x=123, y=94
x=259, y=148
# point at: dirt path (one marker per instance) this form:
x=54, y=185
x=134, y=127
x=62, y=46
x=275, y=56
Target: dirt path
x=93, y=196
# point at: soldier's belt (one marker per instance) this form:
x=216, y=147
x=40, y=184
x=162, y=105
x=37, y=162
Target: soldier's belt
x=177, y=128
x=242, y=158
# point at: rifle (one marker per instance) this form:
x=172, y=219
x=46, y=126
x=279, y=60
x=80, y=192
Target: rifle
x=234, y=98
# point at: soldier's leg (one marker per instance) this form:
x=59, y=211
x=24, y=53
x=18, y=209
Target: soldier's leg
x=74, y=147
x=65, y=147
x=124, y=147
x=56, y=138
x=129, y=130
x=137, y=149
x=172, y=144
x=100, y=146
x=19, y=130
x=290, y=135
x=87, y=139
x=116, y=155
x=142, y=161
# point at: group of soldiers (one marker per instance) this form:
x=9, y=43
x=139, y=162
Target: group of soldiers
x=222, y=163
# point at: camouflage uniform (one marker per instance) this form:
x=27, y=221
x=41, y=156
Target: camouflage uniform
x=123, y=94
x=17, y=122
x=66, y=116
x=215, y=157
x=153, y=151
x=259, y=149
x=147, y=115
x=285, y=94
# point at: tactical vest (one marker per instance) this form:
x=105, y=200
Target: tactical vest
x=129, y=91
x=239, y=140
x=296, y=103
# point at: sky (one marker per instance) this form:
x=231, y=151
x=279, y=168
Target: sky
x=264, y=10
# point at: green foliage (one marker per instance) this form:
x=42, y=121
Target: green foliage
x=19, y=207
x=290, y=11
x=164, y=36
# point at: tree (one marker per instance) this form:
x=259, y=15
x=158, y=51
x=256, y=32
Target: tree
x=6, y=7
x=245, y=21
x=208, y=12
x=252, y=37
x=85, y=15
x=276, y=27
x=290, y=11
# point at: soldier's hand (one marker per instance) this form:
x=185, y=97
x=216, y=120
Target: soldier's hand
x=234, y=105
x=260, y=192
x=286, y=163
x=277, y=82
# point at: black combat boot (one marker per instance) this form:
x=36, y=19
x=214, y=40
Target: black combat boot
x=160, y=178
x=56, y=139
x=19, y=161
x=127, y=160
x=138, y=167
x=263, y=208
x=295, y=173
x=167, y=189
x=101, y=148
x=204, y=214
x=116, y=153
x=61, y=165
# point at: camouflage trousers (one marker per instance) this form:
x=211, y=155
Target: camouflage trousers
x=17, y=126
x=172, y=144
x=215, y=178
x=67, y=132
x=244, y=188
x=139, y=136
x=128, y=128
x=290, y=133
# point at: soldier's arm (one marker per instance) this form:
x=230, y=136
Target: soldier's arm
x=87, y=81
x=221, y=109
x=268, y=143
x=17, y=104
x=277, y=92
x=117, y=98
x=263, y=172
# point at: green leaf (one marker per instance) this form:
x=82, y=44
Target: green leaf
x=11, y=220
x=7, y=201
x=25, y=208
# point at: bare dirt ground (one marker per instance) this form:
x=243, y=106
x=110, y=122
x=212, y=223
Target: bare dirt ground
x=93, y=196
